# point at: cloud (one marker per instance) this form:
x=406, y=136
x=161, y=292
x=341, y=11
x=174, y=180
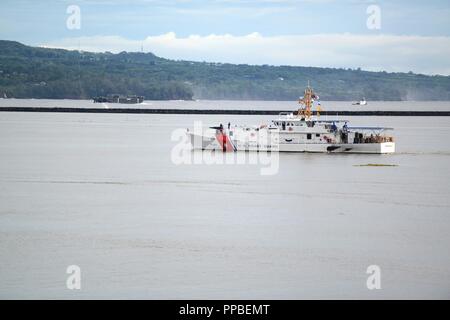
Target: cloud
x=393, y=53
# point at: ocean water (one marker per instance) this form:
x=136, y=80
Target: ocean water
x=101, y=191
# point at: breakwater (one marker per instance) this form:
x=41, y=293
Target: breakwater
x=214, y=111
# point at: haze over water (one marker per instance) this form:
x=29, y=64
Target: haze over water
x=100, y=191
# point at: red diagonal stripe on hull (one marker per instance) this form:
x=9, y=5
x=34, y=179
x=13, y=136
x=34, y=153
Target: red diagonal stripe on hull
x=224, y=142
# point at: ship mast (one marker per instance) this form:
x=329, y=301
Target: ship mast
x=306, y=103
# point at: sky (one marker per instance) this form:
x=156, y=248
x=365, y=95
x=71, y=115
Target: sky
x=394, y=36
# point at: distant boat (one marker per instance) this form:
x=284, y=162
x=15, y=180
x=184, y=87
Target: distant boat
x=362, y=102
x=117, y=98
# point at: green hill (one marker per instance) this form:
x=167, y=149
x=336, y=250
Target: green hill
x=31, y=72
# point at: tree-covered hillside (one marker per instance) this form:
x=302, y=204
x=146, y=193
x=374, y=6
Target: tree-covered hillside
x=30, y=72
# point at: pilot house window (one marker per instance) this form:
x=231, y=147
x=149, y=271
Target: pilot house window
x=308, y=136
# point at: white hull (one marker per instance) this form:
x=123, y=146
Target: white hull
x=210, y=143
x=375, y=148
